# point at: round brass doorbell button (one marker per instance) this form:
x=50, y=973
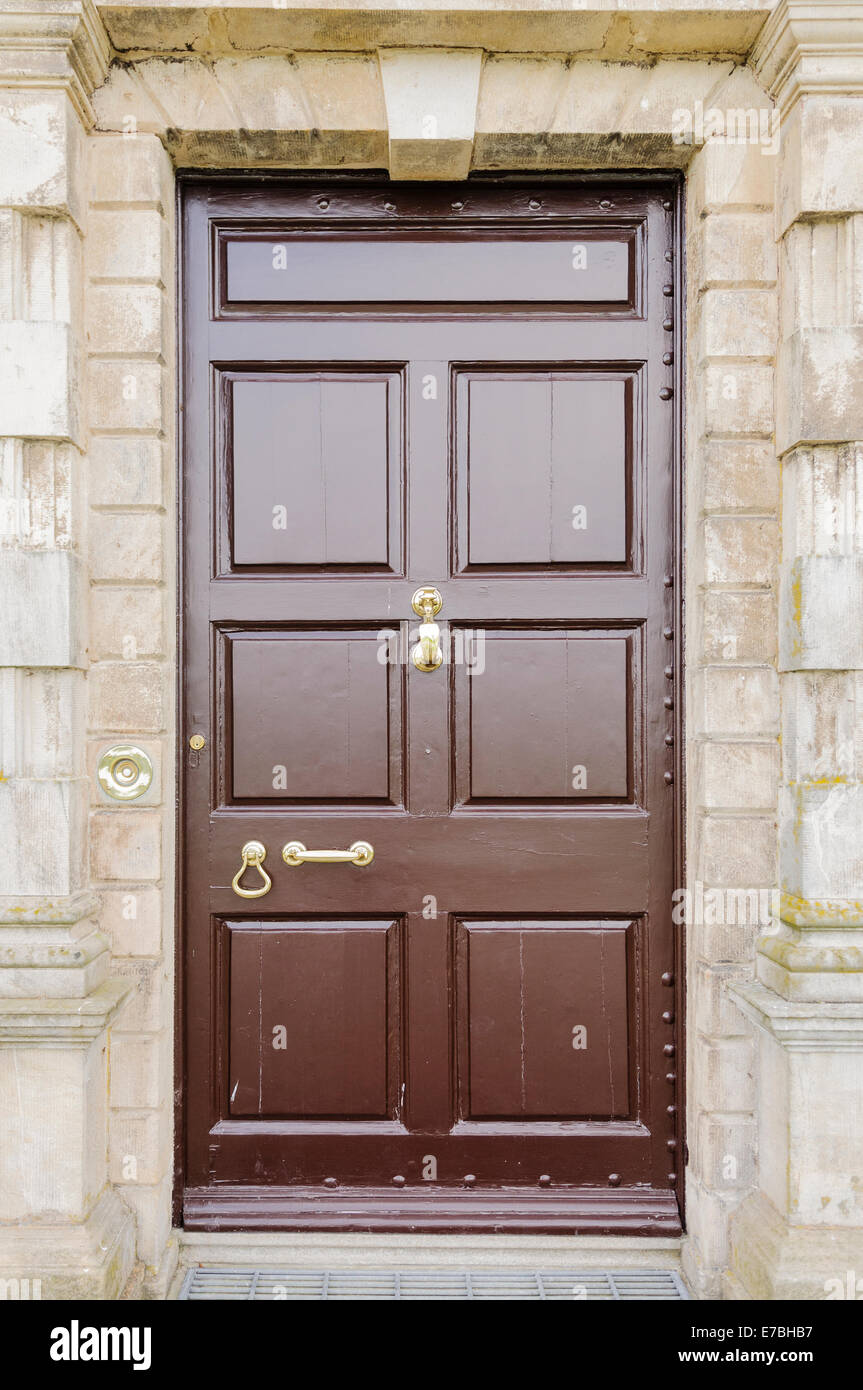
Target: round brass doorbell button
x=197, y=742
x=125, y=772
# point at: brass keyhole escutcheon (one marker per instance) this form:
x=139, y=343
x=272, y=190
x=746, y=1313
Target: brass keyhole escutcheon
x=254, y=854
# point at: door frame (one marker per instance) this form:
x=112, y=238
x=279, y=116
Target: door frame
x=673, y=186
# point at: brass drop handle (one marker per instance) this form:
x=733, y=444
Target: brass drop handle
x=427, y=654
x=254, y=854
x=360, y=853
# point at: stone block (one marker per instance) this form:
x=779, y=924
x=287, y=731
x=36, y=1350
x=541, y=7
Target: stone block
x=43, y=148
x=822, y=501
x=739, y=627
x=821, y=848
x=125, y=471
x=738, y=700
x=819, y=174
x=131, y=169
x=136, y=1071
x=736, y=323
x=725, y=1148
x=739, y=776
x=128, y=245
x=40, y=381
x=125, y=845
x=140, y=1147
x=43, y=836
x=431, y=102
x=126, y=319
x=126, y=697
x=822, y=726
x=731, y=176
x=126, y=395
x=132, y=918
x=733, y=248
x=723, y=1074
x=739, y=851
x=44, y=615
x=740, y=550
x=151, y=998
x=735, y=398
x=821, y=614
x=126, y=546
x=739, y=476
x=819, y=387
x=41, y=715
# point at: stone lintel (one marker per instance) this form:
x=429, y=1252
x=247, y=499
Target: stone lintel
x=640, y=32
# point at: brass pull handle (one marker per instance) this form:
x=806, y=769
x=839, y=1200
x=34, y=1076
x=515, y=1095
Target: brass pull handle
x=254, y=854
x=360, y=853
x=427, y=654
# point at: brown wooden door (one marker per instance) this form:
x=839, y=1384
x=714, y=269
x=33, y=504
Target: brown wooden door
x=468, y=388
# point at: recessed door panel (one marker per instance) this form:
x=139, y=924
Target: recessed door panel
x=550, y=718
x=313, y=1019
x=543, y=468
x=543, y=1014
x=551, y=269
x=316, y=469
x=311, y=715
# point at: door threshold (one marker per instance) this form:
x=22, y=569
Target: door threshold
x=569, y=1212
x=346, y=1250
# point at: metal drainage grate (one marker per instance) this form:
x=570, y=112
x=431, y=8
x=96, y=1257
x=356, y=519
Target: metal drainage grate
x=276, y=1285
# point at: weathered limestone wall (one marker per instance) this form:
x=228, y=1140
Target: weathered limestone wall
x=62, y=1222
x=98, y=105
x=129, y=266
x=802, y=1231
x=732, y=710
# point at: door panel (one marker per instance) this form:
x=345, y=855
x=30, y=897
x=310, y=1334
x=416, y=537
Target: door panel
x=543, y=468
x=287, y=267
x=544, y=1020
x=313, y=1019
x=311, y=716
x=291, y=434
x=475, y=1027
x=581, y=745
